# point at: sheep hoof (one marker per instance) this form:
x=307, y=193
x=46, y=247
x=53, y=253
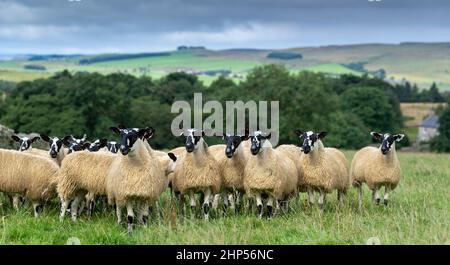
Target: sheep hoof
x=206, y=210
x=377, y=201
x=270, y=211
x=145, y=220
x=386, y=202
x=130, y=224
x=260, y=211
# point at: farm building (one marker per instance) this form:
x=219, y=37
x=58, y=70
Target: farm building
x=428, y=128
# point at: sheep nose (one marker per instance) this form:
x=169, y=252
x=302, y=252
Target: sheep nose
x=254, y=150
x=228, y=152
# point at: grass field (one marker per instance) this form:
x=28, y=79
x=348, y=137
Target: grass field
x=421, y=63
x=419, y=213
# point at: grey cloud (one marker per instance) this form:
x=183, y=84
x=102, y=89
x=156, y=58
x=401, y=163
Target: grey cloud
x=135, y=25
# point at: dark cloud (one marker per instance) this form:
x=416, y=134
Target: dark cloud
x=138, y=25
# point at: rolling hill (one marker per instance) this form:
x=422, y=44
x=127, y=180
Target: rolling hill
x=421, y=63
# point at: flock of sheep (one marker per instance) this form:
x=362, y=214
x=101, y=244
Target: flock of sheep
x=246, y=166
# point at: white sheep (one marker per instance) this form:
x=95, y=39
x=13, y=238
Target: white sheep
x=232, y=159
x=377, y=167
x=136, y=179
x=324, y=169
x=269, y=173
x=31, y=176
x=82, y=173
x=197, y=172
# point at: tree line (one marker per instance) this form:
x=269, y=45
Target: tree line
x=348, y=107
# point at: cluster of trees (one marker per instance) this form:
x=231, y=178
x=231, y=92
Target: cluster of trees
x=348, y=107
x=284, y=55
x=408, y=93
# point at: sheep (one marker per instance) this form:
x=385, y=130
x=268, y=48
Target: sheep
x=113, y=147
x=57, y=152
x=97, y=145
x=293, y=152
x=377, y=167
x=31, y=176
x=136, y=179
x=268, y=173
x=197, y=171
x=25, y=143
x=324, y=169
x=232, y=159
x=82, y=173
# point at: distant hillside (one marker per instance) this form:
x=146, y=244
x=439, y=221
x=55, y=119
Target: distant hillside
x=421, y=63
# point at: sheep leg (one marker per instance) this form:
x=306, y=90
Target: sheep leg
x=376, y=195
x=64, y=206
x=340, y=195
x=119, y=214
x=74, y=207
x=143, y=213
x=321, y=200
x=360, y=196
x=206, y=203
x=238, y=201
x=259, y=205
x=16, y=201
x=192, y=202
x=37, y=209
x=216, y=201
x=130, y=217
x=386, y=195
x=270, y=209
x=231, y=201
x=310, y=197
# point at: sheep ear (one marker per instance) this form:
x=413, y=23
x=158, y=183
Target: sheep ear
x=34, y=139
x=376, y=136
x=45, y=137
x=298, y=132
x=322, y=135
x=116, y=130
x=86, y=145
x=15, y=138
x=172, y=156
x=268, y=136
x=399, y=137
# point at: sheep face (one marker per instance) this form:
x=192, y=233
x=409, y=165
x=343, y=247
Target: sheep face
x=308, y=139
x=55, y=144
x=129, y=136
x=193, y=137
x=232, y=142
x=113, y=147
x=24, y=142
x=97, y=145
x=387, y=140
x=257, y=140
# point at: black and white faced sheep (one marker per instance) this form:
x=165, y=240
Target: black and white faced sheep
x=268, y=173
x=97, y=145
x=113, y=147
x=324, y=169
x=377, y=167
x=232, y=159
x=25, y=143
x=56, y=151
x=136, y=178
x=197, y=171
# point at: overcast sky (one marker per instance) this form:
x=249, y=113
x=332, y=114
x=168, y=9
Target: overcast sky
x=93, y=26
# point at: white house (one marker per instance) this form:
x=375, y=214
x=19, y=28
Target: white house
x=428, y=128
